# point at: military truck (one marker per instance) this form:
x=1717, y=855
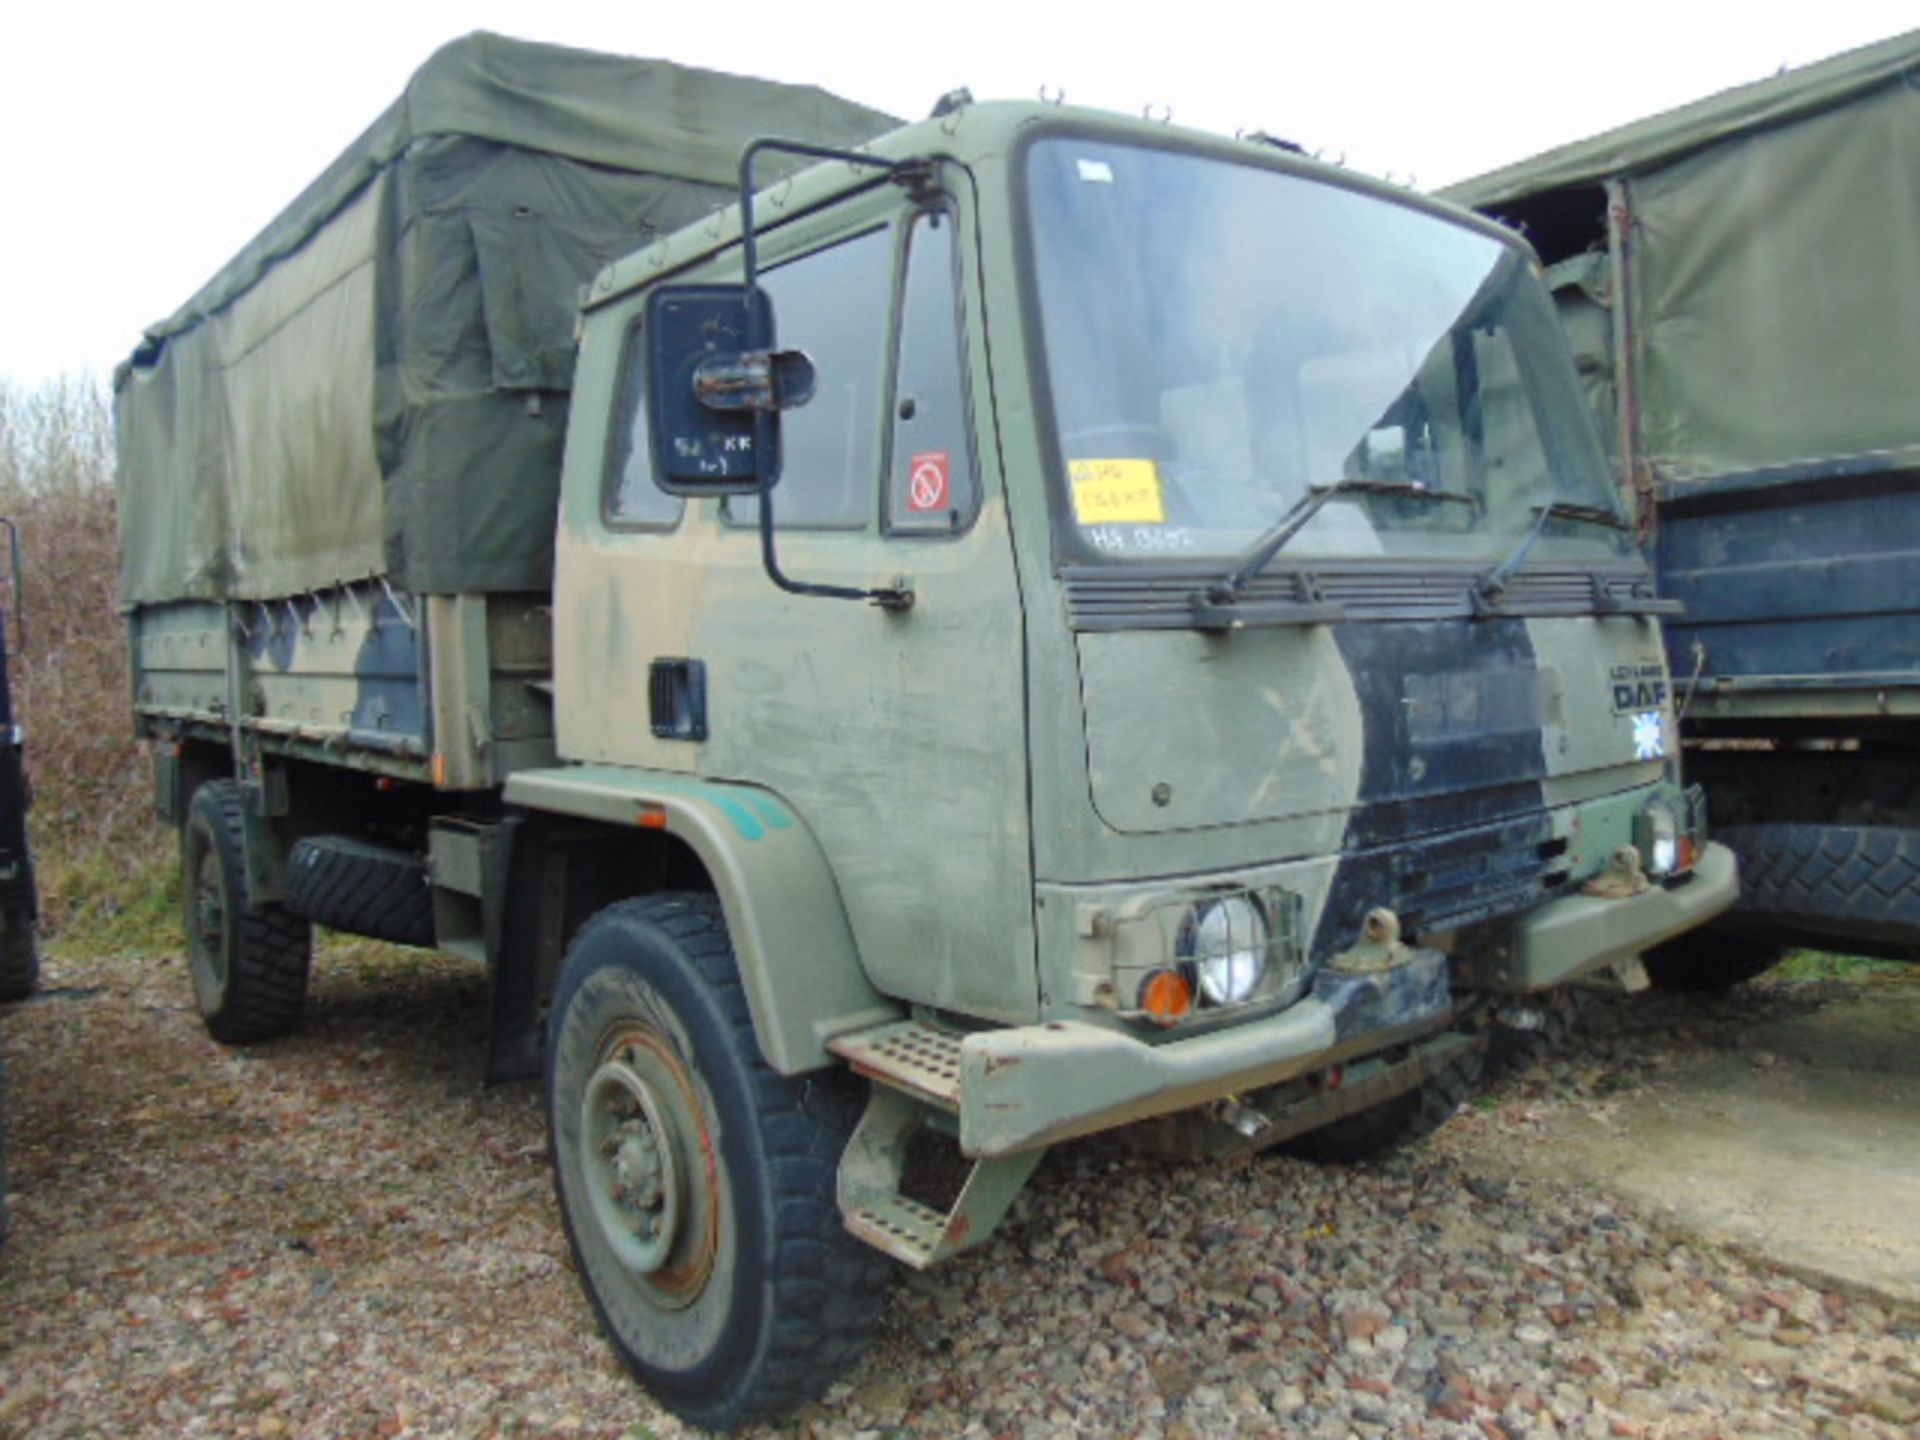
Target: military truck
x=1741, y=282
x=1033, y=623
x=19, y=891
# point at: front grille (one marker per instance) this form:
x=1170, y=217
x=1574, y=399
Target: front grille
x=1113, y=597
x=1446, y=881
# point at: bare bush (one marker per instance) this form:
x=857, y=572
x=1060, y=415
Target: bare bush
x=96, y=846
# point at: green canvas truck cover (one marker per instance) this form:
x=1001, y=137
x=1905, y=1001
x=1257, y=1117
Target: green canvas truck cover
x=1758, y=214
x=377, y=384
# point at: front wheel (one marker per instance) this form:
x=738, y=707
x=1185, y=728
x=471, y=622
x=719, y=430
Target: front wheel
x=1400, y=1121
x=697, y=1186
x=1526, y=1030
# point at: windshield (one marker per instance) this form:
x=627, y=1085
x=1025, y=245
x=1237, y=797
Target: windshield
x=1220, y=338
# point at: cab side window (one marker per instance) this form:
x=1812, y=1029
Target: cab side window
x=931, y=486
x=833, y=305
x=630, y=497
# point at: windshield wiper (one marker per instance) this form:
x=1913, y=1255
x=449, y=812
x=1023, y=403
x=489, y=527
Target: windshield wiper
x=1219, y=606
x=1224, y=590
x=1488, y=589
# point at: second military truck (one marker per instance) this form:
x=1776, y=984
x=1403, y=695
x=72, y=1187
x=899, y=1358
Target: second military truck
x=1740, y=279
x=1036, y=622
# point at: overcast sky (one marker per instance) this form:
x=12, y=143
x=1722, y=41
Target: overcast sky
x=145, y=144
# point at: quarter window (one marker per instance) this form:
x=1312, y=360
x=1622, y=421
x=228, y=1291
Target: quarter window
x=632, y=498
x=931, y=487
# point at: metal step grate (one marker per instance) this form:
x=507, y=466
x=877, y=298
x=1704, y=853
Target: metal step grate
x=912, y=1233
x=910, y=1055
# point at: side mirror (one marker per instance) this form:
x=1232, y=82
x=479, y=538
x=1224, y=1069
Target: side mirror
x=711, y=377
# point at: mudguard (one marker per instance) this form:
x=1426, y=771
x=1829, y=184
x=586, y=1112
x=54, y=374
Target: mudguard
x=791, y=939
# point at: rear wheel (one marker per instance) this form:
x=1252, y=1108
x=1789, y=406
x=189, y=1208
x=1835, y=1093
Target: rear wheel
x=249, y=962
x=697, y=1185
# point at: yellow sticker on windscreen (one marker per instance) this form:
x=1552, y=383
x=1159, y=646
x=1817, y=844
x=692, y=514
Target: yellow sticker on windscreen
x=1116, y=492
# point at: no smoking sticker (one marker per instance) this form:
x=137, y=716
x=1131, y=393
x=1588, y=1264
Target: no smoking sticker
x=927, y=482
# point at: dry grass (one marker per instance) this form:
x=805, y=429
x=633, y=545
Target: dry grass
x=105, y=868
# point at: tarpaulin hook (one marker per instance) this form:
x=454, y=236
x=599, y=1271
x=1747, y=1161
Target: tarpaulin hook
x=406, y=612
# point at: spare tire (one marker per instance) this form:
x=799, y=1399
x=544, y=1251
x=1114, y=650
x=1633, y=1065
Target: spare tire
x=362, y=888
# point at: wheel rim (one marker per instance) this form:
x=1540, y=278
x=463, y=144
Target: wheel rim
x=647, y=1167
x=207, y=955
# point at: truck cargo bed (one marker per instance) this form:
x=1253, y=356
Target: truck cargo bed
x=448, y=689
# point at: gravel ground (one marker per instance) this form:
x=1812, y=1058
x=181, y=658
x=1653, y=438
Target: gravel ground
x=343, y=1235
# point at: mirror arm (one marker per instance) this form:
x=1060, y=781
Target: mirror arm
x=897, y=597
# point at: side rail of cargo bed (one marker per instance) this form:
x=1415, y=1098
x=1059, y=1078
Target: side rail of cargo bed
x=448, y=690
x=1801, y=609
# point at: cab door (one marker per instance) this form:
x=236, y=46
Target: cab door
x=898, y=737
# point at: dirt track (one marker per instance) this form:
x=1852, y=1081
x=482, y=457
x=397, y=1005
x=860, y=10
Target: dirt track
x=342, y=1234
x=1781, y=1119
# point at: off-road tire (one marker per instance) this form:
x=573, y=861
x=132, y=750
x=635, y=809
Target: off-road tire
x=1837, y=883
x=1516, y=1047
x=364, y=889
x=1396, y=1122
x=1703, y=961
x=19, y=956
x=249, y=963
x=788, y=1300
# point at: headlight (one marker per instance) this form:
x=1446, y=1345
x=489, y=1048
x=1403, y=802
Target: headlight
x=1657, y=833
x=1227, y=942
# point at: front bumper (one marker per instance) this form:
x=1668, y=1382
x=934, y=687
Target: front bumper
x=1581, y=934
x=1040, y=1084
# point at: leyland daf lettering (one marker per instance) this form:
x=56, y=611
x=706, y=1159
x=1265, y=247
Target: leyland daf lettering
x=1639, y=687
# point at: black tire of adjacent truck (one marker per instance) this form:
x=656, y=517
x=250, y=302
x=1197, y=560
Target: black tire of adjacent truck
x=1703, y=961
x=1396, y=1122
x=697, y=1186
x=249, y=963
x=363, y=889
x=1831, y=884
x=19, y=956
